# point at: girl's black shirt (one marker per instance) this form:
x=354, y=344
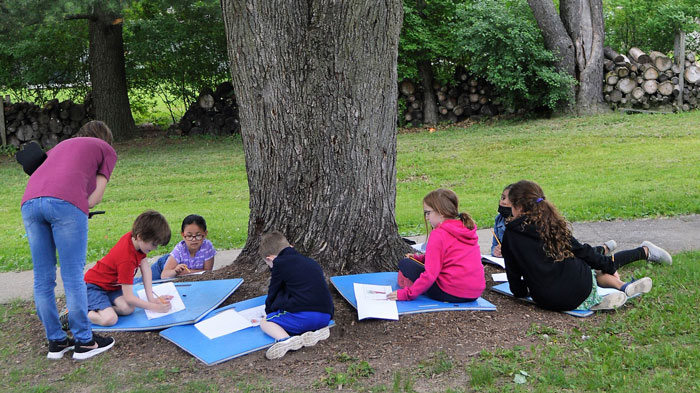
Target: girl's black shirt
x=557, y=286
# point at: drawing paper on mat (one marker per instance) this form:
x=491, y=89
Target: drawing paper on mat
x=372, y=302
x=166, y=289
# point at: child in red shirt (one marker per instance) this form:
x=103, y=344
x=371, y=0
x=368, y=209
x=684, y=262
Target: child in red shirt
x=110, y=282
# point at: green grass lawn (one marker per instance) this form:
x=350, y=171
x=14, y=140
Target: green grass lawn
x=594, y=168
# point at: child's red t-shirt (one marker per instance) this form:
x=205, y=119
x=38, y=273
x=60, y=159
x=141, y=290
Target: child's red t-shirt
x=117, y=267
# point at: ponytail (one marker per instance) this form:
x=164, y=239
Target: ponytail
x=467, y=220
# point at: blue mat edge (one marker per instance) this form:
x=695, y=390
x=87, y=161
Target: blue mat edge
x=97, y=328
x=214, y=312
x=486, y=307
x=500, y=289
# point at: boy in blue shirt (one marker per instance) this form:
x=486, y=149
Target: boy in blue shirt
x=299, y=305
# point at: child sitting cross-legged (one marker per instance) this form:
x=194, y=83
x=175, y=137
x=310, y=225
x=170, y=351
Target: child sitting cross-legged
x=298, y=301
x=110, y=282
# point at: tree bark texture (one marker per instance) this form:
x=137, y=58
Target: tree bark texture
x=316, y=87
x=425, y=71
x=583, y=20
x=577, y=37
x=555, y=35
x=108, y=75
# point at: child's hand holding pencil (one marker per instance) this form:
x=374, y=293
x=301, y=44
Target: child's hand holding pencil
x=182, y=269
x=162, y=303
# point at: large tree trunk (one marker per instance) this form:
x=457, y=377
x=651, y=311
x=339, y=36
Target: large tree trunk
x=583, y=20
x=577, y=37
x=316, y=84
x=107, y=73
x=425, y=71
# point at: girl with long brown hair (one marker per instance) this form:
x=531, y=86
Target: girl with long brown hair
x=544, y=260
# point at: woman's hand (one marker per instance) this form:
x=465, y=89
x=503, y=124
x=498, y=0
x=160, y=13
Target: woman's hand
x=393, y=296
x=497, y=251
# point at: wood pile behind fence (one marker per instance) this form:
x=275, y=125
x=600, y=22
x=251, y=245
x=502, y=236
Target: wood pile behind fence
x=214, y=113
x=55, y=121
x=465, y=97
x=651, y=80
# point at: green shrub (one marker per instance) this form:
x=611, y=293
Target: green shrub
x=501, y=42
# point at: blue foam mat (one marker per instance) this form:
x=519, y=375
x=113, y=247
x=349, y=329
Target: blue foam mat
x=223, y=348
x=504, y=289
x=344, y=285
x=199, y=297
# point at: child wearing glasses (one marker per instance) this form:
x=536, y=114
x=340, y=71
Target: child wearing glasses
x=451, y=269
x=195, y=253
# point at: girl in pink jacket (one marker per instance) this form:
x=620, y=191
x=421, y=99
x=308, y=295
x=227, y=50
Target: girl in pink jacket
x=451, y=269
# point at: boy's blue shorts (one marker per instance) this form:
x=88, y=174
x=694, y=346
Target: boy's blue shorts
x=99, y=299
x=295, y=323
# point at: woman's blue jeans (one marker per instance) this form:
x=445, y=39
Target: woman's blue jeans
x=56, y=225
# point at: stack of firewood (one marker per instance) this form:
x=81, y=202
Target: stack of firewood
x=214, y=112
x=650, y=81
x=56, y=121
x=466, y=97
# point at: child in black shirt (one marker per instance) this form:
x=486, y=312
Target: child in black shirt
x=298, y=300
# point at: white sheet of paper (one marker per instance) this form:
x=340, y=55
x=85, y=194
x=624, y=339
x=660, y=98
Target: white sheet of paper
x=372, y=302
x=223, y=323
x=420, y=247
x=495, y=260
x=499, y=277
x=166, y=289
x=254, y=314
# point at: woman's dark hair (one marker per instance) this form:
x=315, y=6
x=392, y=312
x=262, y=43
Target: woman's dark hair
x=194, y=219
x=528, y=197
x=96, y=129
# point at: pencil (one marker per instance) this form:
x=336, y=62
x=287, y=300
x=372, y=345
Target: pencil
x=188, y=270
x=412, y=258
x=496, y=237
x=160, y=299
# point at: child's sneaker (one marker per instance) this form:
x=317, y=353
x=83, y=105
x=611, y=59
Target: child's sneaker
x=83, y=351
x=611, y=245
x=657, y=254
x=611, y=301
x=280, y=348
x=58, y=348
x=311, y=338
x=637, y=287
x=63, y=317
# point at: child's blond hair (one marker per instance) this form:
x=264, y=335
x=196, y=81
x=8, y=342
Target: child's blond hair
x=272, y=243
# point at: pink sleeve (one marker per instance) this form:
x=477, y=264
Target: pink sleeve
x=108, y=162
x=433, y=265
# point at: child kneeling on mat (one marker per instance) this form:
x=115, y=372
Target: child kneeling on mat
x=110, y=282
x=298, y=300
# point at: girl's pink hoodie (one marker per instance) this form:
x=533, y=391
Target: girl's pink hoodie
x=452, y=259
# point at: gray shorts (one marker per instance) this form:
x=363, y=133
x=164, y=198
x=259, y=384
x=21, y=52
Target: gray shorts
x=99, y=298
